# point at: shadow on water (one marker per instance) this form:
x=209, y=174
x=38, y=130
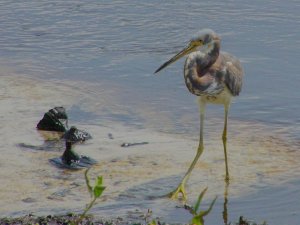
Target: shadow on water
x=52, y=142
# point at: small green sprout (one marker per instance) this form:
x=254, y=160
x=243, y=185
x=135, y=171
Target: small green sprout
x=95, y=192
x=198, y=216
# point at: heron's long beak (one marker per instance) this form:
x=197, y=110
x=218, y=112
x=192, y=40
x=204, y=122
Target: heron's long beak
x=183, y=52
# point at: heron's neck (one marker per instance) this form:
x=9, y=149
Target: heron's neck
x=197, y=66
x=211, y=54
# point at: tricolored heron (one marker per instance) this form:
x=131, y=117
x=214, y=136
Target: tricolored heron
x=215, y=77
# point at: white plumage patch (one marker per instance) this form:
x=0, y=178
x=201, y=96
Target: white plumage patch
x=223, y=98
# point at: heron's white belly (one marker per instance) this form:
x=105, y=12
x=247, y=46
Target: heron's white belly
x=223, y=98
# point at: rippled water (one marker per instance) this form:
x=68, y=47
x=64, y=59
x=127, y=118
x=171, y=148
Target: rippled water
x=103, y=54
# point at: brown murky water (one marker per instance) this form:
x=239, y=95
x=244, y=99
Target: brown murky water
x=135, y=176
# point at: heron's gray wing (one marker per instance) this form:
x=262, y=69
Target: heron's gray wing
x=233, y=73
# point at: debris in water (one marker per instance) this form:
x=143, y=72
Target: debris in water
x=133, y=144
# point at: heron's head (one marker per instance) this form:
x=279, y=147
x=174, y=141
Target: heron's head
x=204, y=40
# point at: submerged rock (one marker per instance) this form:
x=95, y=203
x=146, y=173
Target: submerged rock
x=55, y=119
x=75, y=135
x=69, y=156
x=54, y=129
x=71, y=160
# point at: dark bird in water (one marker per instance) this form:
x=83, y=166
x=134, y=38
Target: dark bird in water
x=215, y=77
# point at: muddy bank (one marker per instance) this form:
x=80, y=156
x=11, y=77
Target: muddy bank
x=90, y=220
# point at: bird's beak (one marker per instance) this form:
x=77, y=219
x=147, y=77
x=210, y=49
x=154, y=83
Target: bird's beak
x=183, y=52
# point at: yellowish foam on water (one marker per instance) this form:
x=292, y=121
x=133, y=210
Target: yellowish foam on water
x=257, y=156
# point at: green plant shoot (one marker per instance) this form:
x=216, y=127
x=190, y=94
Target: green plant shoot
x=95, y=191
x=198, y=217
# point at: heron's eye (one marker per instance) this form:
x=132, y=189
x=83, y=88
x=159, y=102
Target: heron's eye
x=197, y=42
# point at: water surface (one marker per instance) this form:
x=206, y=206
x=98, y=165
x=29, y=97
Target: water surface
x=97, y=59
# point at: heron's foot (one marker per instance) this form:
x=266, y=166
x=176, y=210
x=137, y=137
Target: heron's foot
x=179, y=190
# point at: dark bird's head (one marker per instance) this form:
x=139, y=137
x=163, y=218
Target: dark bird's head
x=203, y=41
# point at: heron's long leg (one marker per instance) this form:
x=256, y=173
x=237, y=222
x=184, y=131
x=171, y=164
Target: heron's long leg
x=181, y=186
x=224, y=137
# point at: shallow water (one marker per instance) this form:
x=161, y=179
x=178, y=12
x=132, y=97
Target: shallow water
x=136, y=176
x=97, y=59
